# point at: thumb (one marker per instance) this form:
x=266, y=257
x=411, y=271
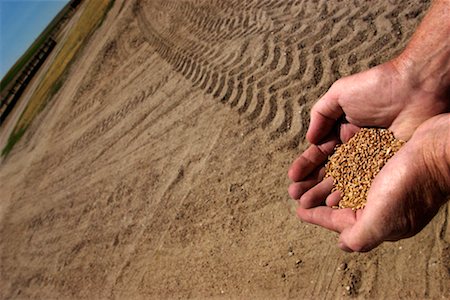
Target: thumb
x=324, y=116
x=359, y=238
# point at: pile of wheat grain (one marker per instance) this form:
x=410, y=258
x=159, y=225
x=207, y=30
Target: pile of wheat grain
x=355, y=164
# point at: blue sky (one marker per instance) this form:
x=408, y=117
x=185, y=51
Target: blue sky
x=21, y=22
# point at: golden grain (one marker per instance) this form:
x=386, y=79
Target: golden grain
x=354, y=165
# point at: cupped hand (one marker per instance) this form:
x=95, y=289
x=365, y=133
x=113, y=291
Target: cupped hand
x=399, y=95
x=404, y=196
x=386, y=96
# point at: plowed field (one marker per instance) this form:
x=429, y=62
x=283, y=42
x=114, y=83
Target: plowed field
x=159, y=170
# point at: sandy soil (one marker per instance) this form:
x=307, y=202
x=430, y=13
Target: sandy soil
x=159, y=169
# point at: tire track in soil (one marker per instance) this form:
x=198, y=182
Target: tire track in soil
x=240, y=85
x=268, y=61
x=271, y=83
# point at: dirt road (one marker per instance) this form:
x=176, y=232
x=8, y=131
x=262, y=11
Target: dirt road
x=159, y=169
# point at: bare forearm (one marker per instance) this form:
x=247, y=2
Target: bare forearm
x=427, y=56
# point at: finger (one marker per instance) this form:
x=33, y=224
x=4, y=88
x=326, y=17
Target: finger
x=347, y=131
x=323, y=117
x=359, y=238
x=311, y=159
x=327, y=217
x=333, y=199
x=317, y=195
x=297, y=189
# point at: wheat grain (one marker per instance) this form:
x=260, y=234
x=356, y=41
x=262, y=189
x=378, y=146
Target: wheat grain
x=354, y=165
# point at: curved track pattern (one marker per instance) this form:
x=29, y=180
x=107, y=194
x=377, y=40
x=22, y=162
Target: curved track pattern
x=159, y=171
x=272, y=57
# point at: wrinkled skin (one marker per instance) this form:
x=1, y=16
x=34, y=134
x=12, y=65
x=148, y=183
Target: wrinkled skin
x=403, y=198
x=410, y=92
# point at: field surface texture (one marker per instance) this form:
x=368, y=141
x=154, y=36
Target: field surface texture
x=158, y=170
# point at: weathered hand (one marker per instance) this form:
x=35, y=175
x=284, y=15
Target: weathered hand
x=400, y=95
x=404, y=196
x=386, y=96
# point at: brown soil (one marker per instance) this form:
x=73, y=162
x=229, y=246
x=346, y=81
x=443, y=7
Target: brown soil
x=159, y=169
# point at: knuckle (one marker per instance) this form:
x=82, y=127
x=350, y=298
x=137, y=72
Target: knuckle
x=302, y=215
x=306, y=200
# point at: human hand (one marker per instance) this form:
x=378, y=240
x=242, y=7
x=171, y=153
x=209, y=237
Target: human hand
x=386, y=96
x=400, y=95
x=403, y=198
